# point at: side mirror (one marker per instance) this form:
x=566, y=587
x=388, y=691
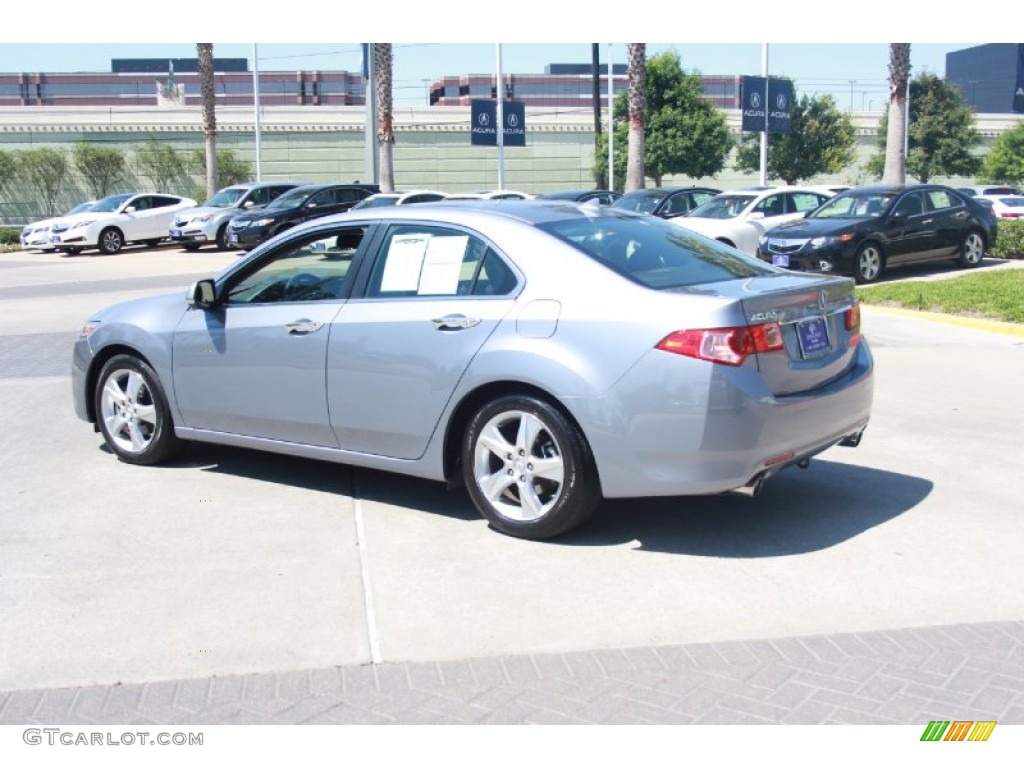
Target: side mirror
x=898, y=215
x=130, y=209
x=248, y=204
x=756, y=215
x=202, y=295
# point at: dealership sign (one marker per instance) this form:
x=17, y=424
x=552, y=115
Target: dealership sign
x=770, y=98
x=484, y=118
x=1018, y=91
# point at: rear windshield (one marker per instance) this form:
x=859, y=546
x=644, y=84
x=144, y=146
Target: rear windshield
x=643, y=202
x=656, y=253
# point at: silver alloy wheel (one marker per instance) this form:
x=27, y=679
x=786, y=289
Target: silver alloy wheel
x=869, y=263
x=110, y=241
x=128, y=411
x=974, y=248
x=518, y=466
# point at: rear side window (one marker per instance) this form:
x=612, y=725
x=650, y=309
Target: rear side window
x=654, y=252
x=940, y=199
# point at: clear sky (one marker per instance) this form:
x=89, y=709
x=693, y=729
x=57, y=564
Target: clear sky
x=842, y=54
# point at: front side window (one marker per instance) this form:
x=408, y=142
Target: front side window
x=226, y=198
x=312, y=268
x=773, y=205
x=417, y=260
x=110, y=204
x=805, y=201
x=910, y=205
x=723, y=207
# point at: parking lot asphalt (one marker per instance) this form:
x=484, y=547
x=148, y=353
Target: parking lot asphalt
x=879, y=585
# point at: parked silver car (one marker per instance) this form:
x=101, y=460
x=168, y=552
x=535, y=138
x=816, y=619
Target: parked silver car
x=208, y=223
x=542, y=353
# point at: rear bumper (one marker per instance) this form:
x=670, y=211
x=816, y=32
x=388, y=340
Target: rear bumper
x=662, y=432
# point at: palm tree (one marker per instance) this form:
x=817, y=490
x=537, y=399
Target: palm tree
x=206, y=89
x=637, y=53
x=383, y=61
x=595, y=58
x=895, y=137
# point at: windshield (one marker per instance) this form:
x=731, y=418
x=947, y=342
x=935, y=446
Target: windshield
x=227, y=198
x=109, y=204
x=723, y=207
x=289, y=200
x=1010, y=202
x=81, y=208
x=857, y=205
x=645, y=203
x=655, y=253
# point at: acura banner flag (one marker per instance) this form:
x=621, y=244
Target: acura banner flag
x=484, y=115
x=1018, y=90
x=777, y=104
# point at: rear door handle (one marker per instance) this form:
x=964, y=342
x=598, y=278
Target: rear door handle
x=303, y=326
x=454, y=322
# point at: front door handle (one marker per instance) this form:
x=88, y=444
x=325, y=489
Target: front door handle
x=454, y=322
x=303, y=326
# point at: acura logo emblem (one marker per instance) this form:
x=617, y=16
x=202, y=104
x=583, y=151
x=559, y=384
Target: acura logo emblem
x=755, y=99
x=483, y=119
x=781, y=101
x=513, y=120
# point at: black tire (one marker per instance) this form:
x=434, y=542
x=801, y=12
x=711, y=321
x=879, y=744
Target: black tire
x=869, y=263
x=72, y=251
x=132, y=412
x=154, y=243
x=111, y=241
x=190, y=247
x=519, y=447
x=222, y=237
x=972, y=249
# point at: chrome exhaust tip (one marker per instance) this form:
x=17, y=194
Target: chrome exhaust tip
x=751, y=489
x=852, y=441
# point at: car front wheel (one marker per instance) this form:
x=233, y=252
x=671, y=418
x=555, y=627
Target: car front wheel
x=222, y=238
x=528, y=469
x=132, y=411
x=972, y=250
x=869, y=263
x=111, y=240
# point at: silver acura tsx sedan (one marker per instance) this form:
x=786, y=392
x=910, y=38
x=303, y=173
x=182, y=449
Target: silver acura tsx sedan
x=544, y=354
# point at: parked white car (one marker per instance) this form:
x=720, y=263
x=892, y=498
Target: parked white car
x=36, y=236
x=413, y=196
x=739, y=217
x=1004, y=206
x=140, y=217
x=491, y=194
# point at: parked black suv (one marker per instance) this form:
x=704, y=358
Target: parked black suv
x=300, y=204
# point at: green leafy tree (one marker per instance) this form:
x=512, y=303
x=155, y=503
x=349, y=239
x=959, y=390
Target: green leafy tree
x=8, y=169
x=942, y=132
x=821, y=141
x=1004, y=163
x=231, y=169
x=45, y=169
x=102, y=168
x=684, y=133
x=160, y=163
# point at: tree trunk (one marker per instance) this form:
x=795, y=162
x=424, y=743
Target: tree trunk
x=895, y=137
x=206, y=89
x=637, y=116
x=600, y=179
x=383, y=61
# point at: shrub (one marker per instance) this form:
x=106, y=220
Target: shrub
x=1009, y=240
x=9, y=236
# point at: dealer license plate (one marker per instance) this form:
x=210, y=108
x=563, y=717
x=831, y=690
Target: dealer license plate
x=813, y=337
x=780, y=260
x=175, y=233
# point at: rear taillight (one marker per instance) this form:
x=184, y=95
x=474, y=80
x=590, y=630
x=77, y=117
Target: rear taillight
x=729, y=346
x=1010, y=215
x=852, y=318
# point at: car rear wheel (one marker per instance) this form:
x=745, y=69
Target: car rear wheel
x=72, y=251
x=528, y=469
x=111, y=240
x=869, y=263
x=972, y=250
x=132, y=411
x=190, y=247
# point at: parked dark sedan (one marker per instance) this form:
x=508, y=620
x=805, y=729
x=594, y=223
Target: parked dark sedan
x=300, y=204
x=866, y=230
x=603, y=196
x=666, y=202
